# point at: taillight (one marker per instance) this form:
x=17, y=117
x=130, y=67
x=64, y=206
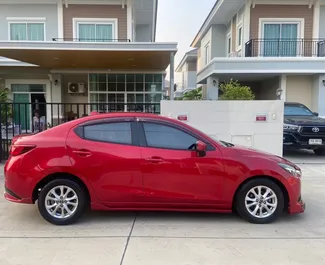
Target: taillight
x=16, y=150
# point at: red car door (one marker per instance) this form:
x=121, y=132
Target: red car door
x=172, y=173
x=105, y=153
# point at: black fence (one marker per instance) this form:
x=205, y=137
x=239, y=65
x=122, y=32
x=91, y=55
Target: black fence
x=25, y=118
x=284, y=48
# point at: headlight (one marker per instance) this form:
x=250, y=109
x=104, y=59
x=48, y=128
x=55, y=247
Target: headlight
x=293, y=171
x=290, y=127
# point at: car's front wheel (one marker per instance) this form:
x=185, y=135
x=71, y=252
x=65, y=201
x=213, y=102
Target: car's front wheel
x=260, y=201
x=62, y=201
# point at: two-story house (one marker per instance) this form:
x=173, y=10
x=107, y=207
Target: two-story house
x=273, y=46
x=86, y=55
x=187, y=68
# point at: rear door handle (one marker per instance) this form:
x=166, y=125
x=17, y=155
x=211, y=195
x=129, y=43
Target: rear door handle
x=82, y=153
x=155, y=159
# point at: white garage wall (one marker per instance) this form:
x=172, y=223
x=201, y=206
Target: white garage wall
x=234, y=121
x=299, y=89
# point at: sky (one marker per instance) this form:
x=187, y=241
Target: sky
x=179, y=21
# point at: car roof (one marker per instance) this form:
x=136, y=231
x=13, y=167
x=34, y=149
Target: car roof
x=96, y=115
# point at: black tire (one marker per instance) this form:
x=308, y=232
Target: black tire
x=319, y=151
x=80, y=209
x=241, y=195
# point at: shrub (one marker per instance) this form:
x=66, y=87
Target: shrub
x=233, y=90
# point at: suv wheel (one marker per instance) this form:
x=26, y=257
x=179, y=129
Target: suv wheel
x=260, y=201
x=319, y=151
x=62, y=202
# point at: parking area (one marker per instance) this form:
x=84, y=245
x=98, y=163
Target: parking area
x=169, y=238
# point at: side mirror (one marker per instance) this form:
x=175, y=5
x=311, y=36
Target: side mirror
x=316, y=113
x=200, y=146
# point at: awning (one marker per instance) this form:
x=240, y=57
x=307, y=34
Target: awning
x=83, y=55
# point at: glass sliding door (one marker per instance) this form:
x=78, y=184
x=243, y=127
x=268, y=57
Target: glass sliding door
x=95, y=32
x=280, y=39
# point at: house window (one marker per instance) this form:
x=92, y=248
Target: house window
x=27, y=31
x=280, y=38
x=239, y=36
x=229, y=44
x=207, y=53
x=96, y=31
x=125, y=92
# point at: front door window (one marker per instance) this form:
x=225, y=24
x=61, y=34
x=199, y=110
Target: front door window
x=280, y=39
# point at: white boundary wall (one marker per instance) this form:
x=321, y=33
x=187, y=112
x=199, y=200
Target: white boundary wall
x=234, y=121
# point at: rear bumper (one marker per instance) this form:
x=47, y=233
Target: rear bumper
x=12, y=197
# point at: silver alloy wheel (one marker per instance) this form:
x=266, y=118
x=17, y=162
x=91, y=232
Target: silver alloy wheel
x=261, y=201
x=61, y=202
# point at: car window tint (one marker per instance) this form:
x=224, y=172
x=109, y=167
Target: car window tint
x=117, y=132
x=163, y=136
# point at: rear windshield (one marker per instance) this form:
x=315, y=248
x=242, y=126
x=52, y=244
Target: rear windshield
x=297, y=110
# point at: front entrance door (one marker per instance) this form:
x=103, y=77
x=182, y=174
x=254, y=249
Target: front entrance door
x=22, y=111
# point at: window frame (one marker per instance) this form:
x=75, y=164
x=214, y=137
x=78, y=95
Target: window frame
x=281, y=21
x=239, y=38
x=143, y=141
x=79, y=130
x=95, y=21
x=229, y=38
x=207, y=53
x=26, y=20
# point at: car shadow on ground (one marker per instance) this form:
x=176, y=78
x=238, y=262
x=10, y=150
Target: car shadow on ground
x=188, y=217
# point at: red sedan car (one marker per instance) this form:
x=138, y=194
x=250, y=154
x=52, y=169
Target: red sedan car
x=132, y=161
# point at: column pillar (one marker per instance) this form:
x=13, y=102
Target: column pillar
x=283, y=87
x=212, y=88
x=321, y=96
x=246, y=25
x=171, y=75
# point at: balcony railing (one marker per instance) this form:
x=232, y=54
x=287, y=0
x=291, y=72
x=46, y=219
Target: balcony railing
x=90, y=40
x=285, y=48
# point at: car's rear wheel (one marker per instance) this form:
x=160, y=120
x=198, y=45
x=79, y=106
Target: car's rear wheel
x=319, y=151
x=260, y=201
x=62, y=201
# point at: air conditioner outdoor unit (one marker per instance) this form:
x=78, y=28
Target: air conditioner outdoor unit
x=75, y=88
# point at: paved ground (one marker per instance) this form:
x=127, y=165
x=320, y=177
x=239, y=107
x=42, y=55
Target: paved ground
x=169, y=239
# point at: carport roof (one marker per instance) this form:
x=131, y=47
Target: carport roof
x=85, y=55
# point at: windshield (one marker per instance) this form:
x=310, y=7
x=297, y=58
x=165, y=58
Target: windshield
x=297, y=110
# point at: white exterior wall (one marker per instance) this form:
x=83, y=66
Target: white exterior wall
x=234, y=121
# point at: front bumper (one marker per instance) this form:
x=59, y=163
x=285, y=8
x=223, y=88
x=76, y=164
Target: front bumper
x=295, y=140
x=297, y=207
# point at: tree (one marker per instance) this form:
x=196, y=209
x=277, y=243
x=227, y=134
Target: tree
x=195, y=94
x=233, y=90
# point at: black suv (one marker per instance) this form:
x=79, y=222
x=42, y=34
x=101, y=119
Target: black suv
x=303, y=129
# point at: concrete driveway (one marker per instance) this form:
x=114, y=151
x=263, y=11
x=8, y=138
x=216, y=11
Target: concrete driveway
x=167, y=238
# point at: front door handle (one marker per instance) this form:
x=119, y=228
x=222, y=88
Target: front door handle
x=82, y=153
x=155, y=159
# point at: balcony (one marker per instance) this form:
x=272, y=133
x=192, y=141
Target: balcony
x=285, y=48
